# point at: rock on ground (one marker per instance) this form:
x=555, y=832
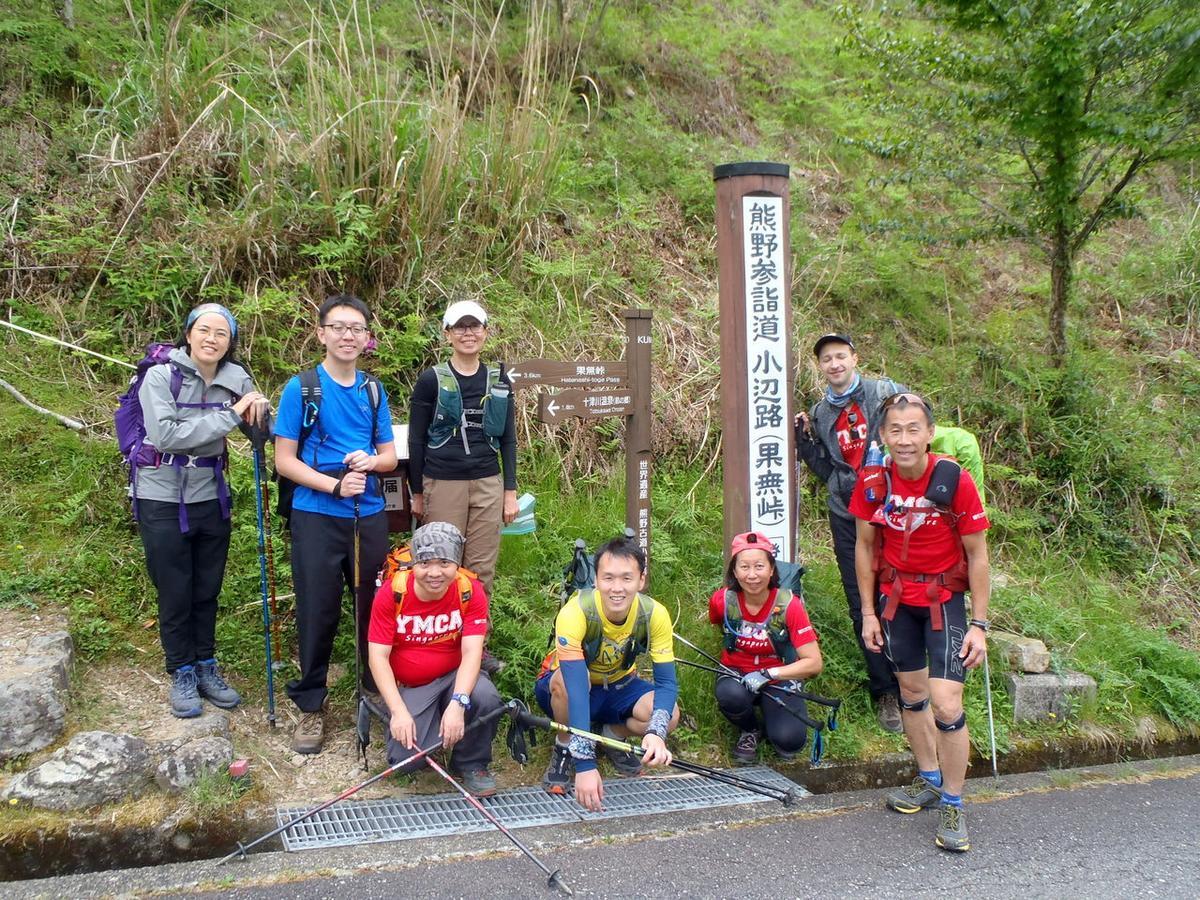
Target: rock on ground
x=95, y=767
x=186, y=765
x=36, y=673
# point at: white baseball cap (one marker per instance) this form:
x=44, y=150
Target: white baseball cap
x=460, y=310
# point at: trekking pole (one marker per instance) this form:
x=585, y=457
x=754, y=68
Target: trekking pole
x=357, y=637
x=520, y=713
x=987, y=681
x=772, y=691
x=725, y=670
x=811, y=723
x=256, y=452
x=349, y=792
x=554, y=879
x=271, y=565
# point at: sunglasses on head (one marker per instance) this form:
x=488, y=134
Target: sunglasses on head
x=907, y=398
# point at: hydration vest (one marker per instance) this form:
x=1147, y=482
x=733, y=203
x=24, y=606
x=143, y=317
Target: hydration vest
x=776, y=623
x=636, y=644
x=449, y=417
x=943, y=485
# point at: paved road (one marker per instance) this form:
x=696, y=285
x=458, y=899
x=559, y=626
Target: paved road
x=1095, y=841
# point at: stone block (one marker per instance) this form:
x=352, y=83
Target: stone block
x=1048, y=696
x=190, y=762
x=95, y=767
x=1024, y=654
x=34, y=677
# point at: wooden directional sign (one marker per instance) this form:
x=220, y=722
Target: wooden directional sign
x=581, y=373
x=584, y=404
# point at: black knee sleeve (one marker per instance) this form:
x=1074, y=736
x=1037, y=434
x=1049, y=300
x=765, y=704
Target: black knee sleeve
x=960, y=722
x=914, y=707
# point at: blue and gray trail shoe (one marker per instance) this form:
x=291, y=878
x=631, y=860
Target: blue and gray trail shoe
x=185, y=698
x=952, y=830
x=213, y=687
x=911, y=798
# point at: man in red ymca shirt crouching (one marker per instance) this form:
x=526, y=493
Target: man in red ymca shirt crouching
x=425, y=645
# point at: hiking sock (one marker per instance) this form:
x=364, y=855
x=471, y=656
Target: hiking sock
x=607, y=731
x=952, y=800
x=934, y=777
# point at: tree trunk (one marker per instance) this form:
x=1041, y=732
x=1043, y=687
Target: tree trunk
x=66, y=12
x=1062, y=265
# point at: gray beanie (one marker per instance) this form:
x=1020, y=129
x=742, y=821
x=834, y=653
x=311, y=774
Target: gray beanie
x=437, y=540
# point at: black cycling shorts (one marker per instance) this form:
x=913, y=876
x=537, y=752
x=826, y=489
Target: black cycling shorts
x=911, y=644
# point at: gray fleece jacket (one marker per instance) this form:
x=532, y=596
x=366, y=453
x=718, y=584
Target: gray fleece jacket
x=820, y=450
x=191, y=432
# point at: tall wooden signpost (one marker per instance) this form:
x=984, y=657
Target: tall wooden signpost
x=590, y=389
x=757, y=372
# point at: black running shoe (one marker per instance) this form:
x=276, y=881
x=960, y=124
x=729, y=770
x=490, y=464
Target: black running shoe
x=557, y=779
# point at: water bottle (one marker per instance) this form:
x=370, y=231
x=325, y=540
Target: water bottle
x=873, y=473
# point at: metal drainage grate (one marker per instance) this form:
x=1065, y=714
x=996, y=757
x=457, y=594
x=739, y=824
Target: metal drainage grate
x=672, y=793
x=374, y=821
x=377, y=821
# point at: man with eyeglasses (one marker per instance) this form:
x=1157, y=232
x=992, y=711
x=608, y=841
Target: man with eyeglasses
x=462, y=443
x=833, y=439
x=347, y=435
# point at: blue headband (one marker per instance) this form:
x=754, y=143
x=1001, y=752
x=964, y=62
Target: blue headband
x=204, y=309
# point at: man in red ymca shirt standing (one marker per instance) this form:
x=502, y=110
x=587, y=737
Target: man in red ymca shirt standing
x=921, y=544
x=425, y=645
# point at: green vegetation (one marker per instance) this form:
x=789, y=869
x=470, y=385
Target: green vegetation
x=555, y=160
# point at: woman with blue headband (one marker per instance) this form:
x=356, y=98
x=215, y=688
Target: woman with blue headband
x=188, y=406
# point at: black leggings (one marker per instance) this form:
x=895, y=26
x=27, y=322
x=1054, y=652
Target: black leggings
x=187, y=568
x=783, y=730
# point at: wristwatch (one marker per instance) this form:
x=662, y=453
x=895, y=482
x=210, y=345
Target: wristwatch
x=463, y=700
x=981, y=624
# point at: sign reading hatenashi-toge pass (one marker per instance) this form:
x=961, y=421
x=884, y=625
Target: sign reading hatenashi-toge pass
x=771, y=471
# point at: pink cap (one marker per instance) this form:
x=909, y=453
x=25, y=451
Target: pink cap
x=752, y=540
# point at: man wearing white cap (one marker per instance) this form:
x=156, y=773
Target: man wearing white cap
x=462, y=442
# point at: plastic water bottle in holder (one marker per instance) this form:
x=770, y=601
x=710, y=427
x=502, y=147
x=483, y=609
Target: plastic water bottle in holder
x=873, y=473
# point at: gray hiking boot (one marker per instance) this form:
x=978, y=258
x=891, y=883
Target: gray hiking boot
x=213, y=687
x=952, y=830
x=557, y=779
x=185, y=698
x=745, y=749
x=480, y=782
x=309, y=735
x=887, y=709
x=911, y=798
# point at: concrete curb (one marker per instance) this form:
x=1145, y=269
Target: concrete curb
x=96, y=845
x=274, y=867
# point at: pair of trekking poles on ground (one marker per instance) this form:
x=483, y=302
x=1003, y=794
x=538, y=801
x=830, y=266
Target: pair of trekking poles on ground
x=522, y=722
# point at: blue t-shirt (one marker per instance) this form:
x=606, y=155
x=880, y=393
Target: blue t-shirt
x=344, y=425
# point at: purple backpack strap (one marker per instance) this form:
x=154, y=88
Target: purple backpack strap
x=182, y=463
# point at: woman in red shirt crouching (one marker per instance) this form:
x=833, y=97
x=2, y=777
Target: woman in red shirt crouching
x=768, y=638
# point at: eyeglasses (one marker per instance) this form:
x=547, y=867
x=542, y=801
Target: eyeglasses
x=907, y=398
x=340, y=328
x=477, y=328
